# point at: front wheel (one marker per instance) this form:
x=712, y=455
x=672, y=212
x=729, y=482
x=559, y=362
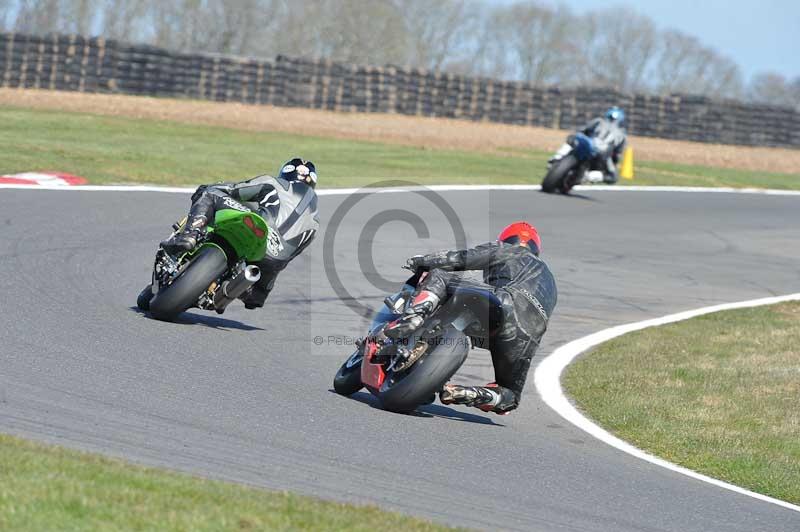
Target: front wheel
x=556, y=178
x=414, y=387
x=143, y=300
x=348, y=379
x=205, y=267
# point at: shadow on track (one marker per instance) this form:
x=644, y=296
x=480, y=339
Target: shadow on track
x=330, y=299
x=573, y=195
x=213, y=322
x=426, y=411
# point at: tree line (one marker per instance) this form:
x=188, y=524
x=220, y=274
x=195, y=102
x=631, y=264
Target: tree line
x=528, y=40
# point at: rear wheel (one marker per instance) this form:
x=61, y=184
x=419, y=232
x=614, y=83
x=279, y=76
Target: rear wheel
x=556, y=178
x=348, y=379
x=209, y=263
x=403, y=393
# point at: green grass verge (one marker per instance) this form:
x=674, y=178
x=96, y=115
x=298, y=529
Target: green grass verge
x=717, y=394
x=115, y=150
x=659, y=173
x=112, y=150
x=50, y=488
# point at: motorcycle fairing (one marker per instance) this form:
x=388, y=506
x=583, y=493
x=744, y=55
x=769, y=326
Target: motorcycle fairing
x=372, y=374
x=245, y=231
x=583, y=147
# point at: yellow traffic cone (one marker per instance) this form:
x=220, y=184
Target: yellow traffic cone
x=627, y=164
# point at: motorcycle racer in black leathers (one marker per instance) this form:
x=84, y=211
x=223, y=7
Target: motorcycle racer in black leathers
x=610, y=137
x=512, y=273
x=288, y=203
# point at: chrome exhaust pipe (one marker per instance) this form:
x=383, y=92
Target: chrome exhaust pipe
x=235, y=287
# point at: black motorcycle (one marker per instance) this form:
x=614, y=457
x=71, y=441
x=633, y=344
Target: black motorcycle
x=406, y=373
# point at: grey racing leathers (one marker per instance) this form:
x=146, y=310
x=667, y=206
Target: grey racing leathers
x=289, y=208
x=525, y=286
x=609, y=141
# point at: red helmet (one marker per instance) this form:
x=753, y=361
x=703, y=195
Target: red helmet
x=522, y=233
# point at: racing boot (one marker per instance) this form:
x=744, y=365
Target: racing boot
x=482, y=397
x=187, y=239
x=254, y=297
x=610, y=175
x=423, y=305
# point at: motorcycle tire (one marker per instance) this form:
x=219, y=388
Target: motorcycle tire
x=348, y=379
x=184, y=291
x=404, y=393
x=143, y=300
x=555, y=179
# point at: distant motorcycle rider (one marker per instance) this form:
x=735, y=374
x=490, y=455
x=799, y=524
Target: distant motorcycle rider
x=610, y=137
x=512, y=273
x=288, y=203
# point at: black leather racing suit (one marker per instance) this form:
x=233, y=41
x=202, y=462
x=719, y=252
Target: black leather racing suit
x=527, y=290
x=289, y=208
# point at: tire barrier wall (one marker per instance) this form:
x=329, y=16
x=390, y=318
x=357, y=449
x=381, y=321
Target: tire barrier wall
x=76, y=63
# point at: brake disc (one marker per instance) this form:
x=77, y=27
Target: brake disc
x=419, y=349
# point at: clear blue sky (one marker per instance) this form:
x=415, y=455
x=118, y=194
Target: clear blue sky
x=758, y=34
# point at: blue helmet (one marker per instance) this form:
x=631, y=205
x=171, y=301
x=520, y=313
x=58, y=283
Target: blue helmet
x=615, y=114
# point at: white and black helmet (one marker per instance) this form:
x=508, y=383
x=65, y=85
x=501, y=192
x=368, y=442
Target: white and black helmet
x=299, y=170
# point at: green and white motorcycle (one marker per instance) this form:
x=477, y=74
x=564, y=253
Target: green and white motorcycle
x=212, y=275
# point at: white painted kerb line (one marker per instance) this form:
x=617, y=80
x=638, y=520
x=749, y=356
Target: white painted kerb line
x=435, y=188
x=547, y=379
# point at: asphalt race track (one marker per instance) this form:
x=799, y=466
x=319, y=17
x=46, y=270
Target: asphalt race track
x=246, y=396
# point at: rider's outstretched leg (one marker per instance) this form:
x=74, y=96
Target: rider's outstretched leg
x=489, y=398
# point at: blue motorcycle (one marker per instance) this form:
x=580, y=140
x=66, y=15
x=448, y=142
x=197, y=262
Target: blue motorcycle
x=568, y=171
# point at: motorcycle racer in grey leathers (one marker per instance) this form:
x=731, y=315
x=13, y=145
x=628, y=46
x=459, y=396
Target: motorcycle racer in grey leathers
x=288, y=203
x=610, y=137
